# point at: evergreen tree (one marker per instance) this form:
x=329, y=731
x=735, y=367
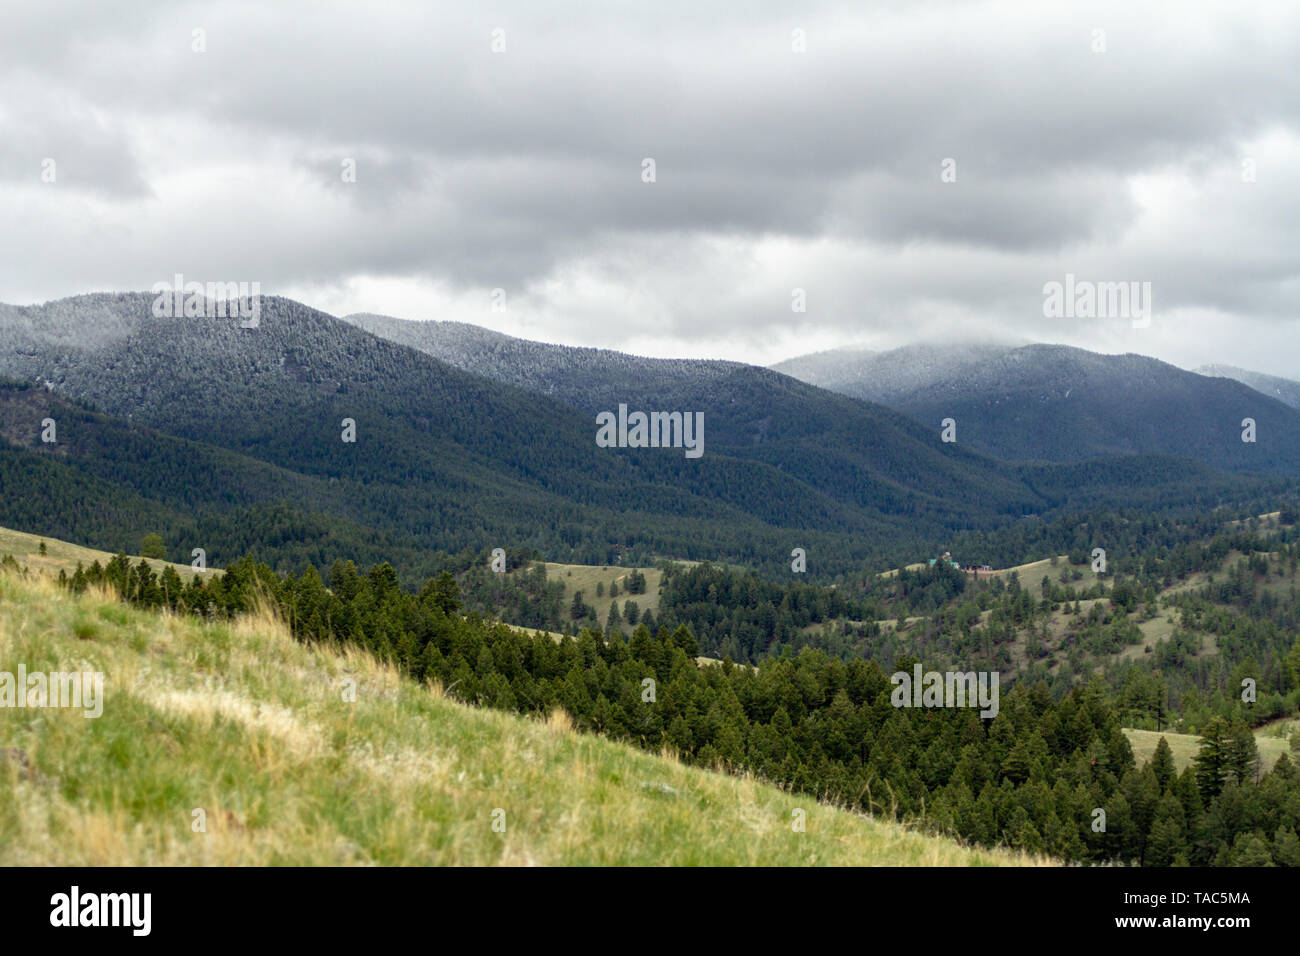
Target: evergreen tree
x=152, y=546
x=1166, y=838
x=1286, y=847
x=1241, y=754
x=578, y=608
x=443, y=593
x=1211, y=763
x=1162, y=764
x=1251, y=849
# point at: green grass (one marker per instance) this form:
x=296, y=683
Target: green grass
x=585, y=577
x=1185, y=746
x=1282, y=728
x=240, y=721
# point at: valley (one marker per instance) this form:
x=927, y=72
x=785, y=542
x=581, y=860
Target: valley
x=448, y=435
x=413, y=493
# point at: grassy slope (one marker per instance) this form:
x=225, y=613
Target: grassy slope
x=240, y=720
x=1031, y=574
x=1185, y=746
x=584, y=577
x=26, y=550
x=1159, y=627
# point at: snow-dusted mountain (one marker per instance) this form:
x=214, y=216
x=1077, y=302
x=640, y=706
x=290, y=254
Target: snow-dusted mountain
x=460, y=457
x=883, y=376
x=583, y=377
x=1284, y=390
x=1056, y=403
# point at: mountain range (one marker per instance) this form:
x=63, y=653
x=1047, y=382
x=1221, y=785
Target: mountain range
x=1060, y=404
x=232, y=438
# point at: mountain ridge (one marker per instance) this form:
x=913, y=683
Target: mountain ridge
x=1061, y=404
x=461, y=460
x=1285, y=390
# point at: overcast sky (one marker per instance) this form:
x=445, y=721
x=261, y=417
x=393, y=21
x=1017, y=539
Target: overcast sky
x=1111, y=141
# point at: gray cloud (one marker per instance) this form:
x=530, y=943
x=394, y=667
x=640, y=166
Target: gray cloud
x=64, y=143
x=775, y=170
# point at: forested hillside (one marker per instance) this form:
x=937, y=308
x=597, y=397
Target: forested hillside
x=1034, y=776
x=1285, y=390
x=271, y=765
x=1060, y=404
x=232, y=439
x=882, y=377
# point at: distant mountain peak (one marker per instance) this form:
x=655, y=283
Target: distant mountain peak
x=1011, y=401
x=1285, y=390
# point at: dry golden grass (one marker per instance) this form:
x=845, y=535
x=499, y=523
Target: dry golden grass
x=62, y=555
